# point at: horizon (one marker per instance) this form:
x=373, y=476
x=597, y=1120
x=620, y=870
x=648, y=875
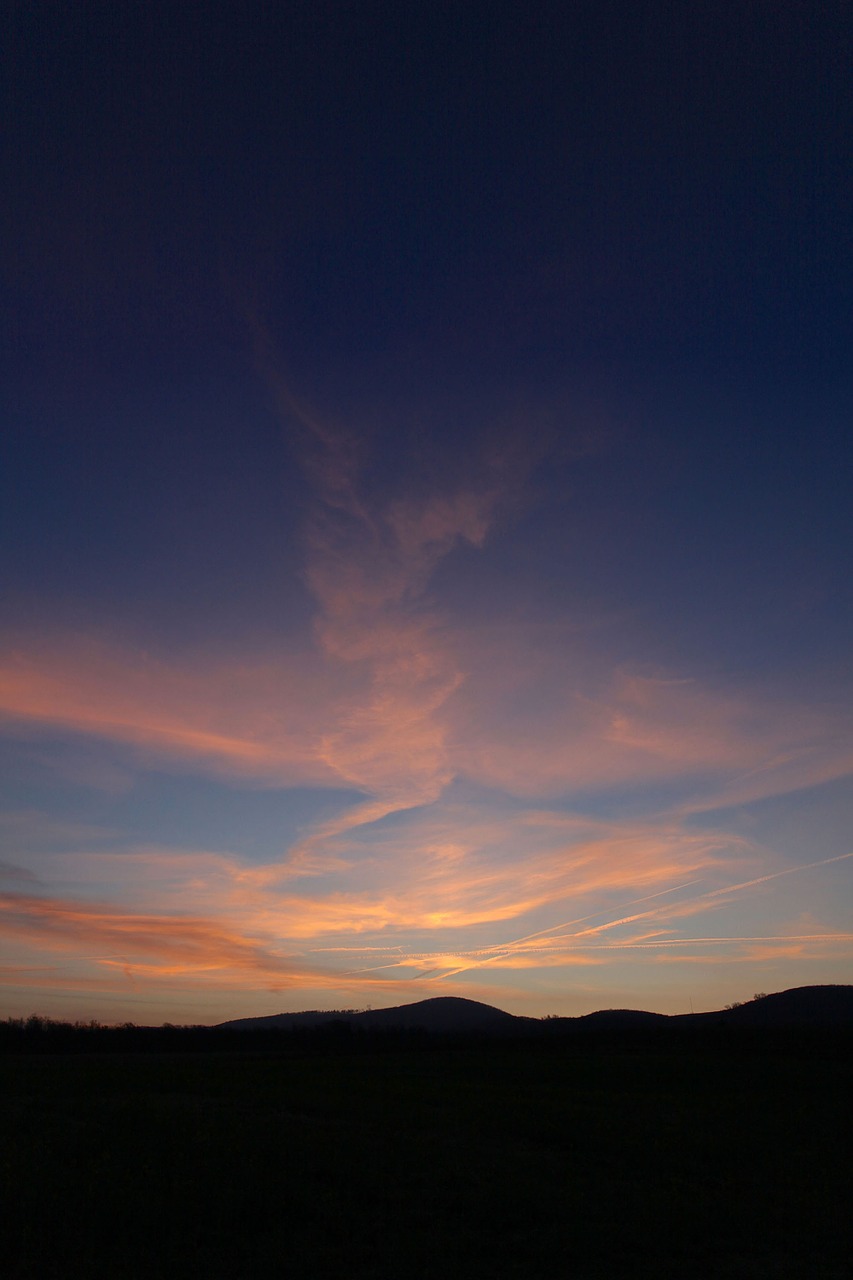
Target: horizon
x=355, y=1012
x=756, y=996
x=425, y=501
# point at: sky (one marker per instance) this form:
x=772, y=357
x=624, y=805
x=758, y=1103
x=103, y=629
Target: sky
x=426, y=532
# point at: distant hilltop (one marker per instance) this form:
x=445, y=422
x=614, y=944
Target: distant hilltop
x=821, y=1006
x=443, y=1013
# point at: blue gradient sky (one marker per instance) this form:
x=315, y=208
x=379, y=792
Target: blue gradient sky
x=425, y=506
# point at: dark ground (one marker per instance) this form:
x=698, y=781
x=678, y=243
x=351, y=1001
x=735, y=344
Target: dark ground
x=606, y=1159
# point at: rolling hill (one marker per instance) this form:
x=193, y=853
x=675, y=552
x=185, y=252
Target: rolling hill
x=443, y=1013
x=830, y=1006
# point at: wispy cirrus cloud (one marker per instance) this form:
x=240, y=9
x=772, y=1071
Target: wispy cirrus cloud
x=421, y=920
x=369, y=565
x=393, y=696
x=396, y=707
x=431, y=874
x=254, y=719
x=360, y=704
x=589, y=939
x=13, y=874
x=179, y=939
x=566, y=724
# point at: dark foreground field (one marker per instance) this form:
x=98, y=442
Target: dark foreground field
x=513, y=1160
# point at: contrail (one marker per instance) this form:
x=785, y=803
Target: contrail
x=774, y=875
x=689, y=942
x=542, y=933
x=487, y=955
x=482, y=955
x=711, y=893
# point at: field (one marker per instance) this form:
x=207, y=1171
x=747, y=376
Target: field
x=595, y=1160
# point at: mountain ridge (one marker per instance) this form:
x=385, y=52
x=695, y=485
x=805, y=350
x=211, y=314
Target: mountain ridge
x=823, y=1005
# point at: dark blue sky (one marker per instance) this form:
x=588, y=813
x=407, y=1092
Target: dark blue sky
x=521, y=337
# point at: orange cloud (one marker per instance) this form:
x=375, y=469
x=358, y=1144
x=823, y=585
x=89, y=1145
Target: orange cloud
x=253, y=720
x=394, y=701
x=368, y=570
x=538, y=715
x=565, y=945
x=187, y=942
x=108, y=949
x=251, y=939
x=365, y=708
x=435, y=872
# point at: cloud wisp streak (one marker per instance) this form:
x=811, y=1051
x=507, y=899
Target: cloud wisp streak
x=562, y=945
x=393, y=698
x=250, y=937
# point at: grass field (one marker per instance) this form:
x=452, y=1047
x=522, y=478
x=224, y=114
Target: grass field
x=501, y=1161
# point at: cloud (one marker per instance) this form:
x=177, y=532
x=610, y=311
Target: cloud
x=395, y=697
x=566, y=945
x=399, y=706
x=107, y=948
x=368, y=568
x=441, y=873
x=466, y=746
x=437, y=911
x=27, y=830
x=12, y=874
x=181, y=941
x=145, y=947
x=253, y=719
x=361, y=705
x=539, y=715
x=430, y=873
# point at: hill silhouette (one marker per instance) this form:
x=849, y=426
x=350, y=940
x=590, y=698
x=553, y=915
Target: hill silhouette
x=441, y=1013
x=620, y=1020
x=821, y=1006
x=816, y=1006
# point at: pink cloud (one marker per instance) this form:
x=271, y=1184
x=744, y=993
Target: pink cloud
x=253, y=719
x=539, y=715
x=395, y=701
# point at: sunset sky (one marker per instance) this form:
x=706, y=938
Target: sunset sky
x=426, y=505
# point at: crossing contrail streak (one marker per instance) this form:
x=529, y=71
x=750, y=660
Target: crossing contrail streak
x=707, y=896
x=484, y=955
x=555, y=939
x=544, y=933
x=775, y=875
x=689, y=942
